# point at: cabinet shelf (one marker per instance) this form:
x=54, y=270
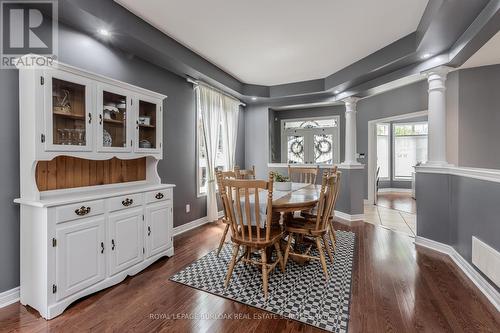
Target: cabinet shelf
x=147, y=126
x=69, y=115
x=113, y=122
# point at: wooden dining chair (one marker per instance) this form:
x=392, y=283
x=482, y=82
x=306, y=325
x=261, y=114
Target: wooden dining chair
x=315, y=229
x=249, y=230
x=220, y=175
x=303, y=174
x=245, y=174
x=312, y=214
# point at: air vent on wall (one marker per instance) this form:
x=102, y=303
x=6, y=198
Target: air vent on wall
x=487, y=259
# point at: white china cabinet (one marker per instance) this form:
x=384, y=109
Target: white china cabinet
x=93, y=208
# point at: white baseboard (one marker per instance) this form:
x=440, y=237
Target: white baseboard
x=484, y=286
x=193, y=224
x=349, y=217
x=9, y=297
x=392, y=189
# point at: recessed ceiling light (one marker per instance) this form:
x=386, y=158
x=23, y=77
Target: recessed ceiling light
x=336, y=91
x=426, y=56
x=254, y=98
x=104, y=32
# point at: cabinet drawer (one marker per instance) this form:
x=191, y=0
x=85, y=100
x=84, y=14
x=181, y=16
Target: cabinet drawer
x=125, y=201
x=79, y=210
x=159, y=195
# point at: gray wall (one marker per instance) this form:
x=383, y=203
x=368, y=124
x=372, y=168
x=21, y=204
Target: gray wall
x=178, y=165
x=9, y=179
x=479, y=117
x=451, y=209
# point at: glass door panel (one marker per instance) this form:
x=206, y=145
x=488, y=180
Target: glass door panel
x=146, y=125
x=68, y=113
x=114, y=120
x=323, y=148
x=295, y=149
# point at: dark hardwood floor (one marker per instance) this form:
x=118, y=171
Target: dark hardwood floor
x=397, y=200
x=396, y=288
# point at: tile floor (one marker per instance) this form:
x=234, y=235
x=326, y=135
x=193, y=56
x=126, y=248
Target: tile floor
x=391, y=219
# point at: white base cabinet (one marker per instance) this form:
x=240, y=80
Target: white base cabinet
x=77, y=245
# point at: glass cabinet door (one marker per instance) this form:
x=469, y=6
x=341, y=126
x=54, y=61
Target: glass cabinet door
x=114, y=112
x=148, y=125
x=68, y=116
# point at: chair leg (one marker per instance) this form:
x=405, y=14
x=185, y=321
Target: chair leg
x=223, y=239
x=287, y=250
x=280, y=257
x=332, y=235
x=264, y=271
x=236, y=248
x=322, y=257
x=327, y=247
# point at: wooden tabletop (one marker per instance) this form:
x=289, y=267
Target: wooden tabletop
x=300, y=199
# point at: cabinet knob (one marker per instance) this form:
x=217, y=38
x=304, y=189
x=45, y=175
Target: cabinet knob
x=159, y=195
x=127, y=202
x=82, y=211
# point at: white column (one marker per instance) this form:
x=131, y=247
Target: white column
x=350, y=131
x=436, y=78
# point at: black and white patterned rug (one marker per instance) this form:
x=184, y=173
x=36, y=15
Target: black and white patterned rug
x=300, y=294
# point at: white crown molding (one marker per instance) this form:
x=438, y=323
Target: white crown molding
x=10, y=296
x=491, y=175
x=193, y=224
x=481, y=283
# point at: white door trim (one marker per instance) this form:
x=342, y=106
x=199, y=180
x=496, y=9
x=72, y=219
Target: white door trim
x=372, y=148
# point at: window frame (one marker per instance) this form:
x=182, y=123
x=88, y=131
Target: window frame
x=329, y=130
x=389, y=150
x=393, y=143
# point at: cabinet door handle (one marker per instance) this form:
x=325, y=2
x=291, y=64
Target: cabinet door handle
x=149, y=231
x=82, y=211
x=112, y=245
x=127, y=202
x=102, y=247
x=159, y=195
x=90, y=118
x=100, y=119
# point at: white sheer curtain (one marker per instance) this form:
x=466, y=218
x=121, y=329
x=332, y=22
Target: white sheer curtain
x=209, y=103
x=230, y=113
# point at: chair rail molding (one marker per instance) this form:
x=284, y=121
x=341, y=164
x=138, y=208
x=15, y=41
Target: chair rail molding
x=492, y=175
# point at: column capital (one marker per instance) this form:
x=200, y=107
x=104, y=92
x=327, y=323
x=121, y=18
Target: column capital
x=439, y=72
x=350, y=103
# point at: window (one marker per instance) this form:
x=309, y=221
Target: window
x=311, y=140
x=202, y=157
x=410, y=148
x=383, y=150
